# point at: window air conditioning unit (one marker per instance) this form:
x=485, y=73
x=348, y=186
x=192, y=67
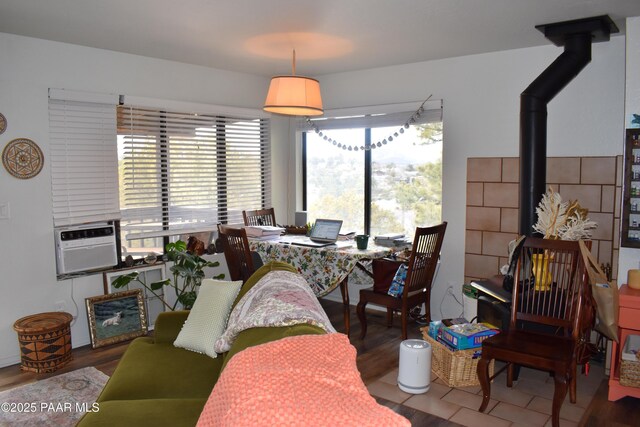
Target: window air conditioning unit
x=85, y=247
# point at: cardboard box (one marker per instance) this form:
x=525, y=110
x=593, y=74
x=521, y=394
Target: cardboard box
x=465, y=336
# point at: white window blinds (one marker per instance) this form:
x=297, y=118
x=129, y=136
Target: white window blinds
x=184, y=172
x=84, y=173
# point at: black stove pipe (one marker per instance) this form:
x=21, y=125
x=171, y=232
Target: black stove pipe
x=533, y=123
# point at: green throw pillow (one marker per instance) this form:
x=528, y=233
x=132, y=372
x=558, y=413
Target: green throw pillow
x=208, y=317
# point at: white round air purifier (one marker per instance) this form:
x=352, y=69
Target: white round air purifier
x=414, y=372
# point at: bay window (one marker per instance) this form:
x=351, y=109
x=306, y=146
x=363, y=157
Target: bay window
x=394, y=187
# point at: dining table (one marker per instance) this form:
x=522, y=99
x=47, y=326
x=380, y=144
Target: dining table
x=324, y=268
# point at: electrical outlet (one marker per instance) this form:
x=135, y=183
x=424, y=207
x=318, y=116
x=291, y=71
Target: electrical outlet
x=60, y=306
x=5, y=211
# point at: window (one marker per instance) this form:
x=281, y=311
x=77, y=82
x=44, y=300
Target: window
x=183, y=173
x=406, y=180
x=393, y=188
x=335, y=180
x=84, y=180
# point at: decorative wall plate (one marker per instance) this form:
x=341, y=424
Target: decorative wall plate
x=3, y=124
x=22, y=158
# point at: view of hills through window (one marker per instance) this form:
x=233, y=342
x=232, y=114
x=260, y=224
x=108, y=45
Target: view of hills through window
x=406, y=179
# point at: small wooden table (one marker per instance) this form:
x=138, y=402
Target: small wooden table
x=45, y=341
x=628, y=324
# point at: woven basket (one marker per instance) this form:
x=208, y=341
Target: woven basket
x=45, y=341
x=630, y=373
x=630, y=362
x=455, y=368
x=292, y=229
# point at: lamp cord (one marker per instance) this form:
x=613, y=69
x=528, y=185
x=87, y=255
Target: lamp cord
x=293, y=63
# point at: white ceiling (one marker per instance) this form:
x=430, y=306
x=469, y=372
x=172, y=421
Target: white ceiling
x=257, y=36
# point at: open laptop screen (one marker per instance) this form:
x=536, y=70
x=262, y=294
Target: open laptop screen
x=326, y=230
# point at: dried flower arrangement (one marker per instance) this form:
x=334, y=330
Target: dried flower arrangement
x=562, y=220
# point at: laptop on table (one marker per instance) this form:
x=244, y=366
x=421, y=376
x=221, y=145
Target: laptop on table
x=324, y=233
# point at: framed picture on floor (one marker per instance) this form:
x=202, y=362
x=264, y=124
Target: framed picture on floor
x=116, y=317
x=149, y=274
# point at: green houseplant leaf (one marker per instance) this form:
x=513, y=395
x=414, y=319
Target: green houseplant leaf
x=187, y=272
x=158, y=285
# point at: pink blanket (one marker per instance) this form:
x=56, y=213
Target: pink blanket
x=306, y=380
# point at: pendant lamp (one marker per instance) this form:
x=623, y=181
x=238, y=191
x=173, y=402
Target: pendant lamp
x=294, y=95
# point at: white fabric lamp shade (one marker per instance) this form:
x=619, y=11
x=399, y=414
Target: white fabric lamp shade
x=294, y=96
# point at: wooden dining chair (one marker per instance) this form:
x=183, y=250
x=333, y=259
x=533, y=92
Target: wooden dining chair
x=423, y=261
x=260, y=217
x=235, y=245
x=549, y=319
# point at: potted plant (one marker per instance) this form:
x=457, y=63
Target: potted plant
x=187, y=270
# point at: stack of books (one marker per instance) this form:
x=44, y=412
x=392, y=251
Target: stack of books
x=390, y=240
x=263, y=231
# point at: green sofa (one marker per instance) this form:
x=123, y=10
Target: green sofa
x=157, y=384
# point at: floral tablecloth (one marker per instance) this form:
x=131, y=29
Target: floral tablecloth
x=323, y=268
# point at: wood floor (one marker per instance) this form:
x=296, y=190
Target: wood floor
x=377, y=355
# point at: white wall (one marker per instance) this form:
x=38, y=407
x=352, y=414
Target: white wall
x=481, y=119
x=29, y=67
x=629, y=257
